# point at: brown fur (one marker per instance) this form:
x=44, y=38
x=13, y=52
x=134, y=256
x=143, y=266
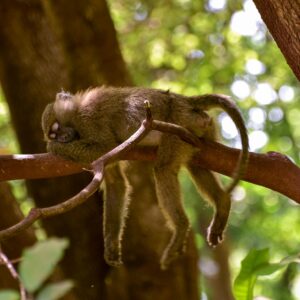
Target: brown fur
x=97, y=120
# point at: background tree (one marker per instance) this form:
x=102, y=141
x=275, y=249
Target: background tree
x=47, y=45
x=192, y=48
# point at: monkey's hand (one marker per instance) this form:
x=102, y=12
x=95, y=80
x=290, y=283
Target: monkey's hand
x=215, y=233
x=112, y=252
x=62, y=134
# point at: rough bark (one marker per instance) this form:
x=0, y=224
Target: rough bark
x=283, y=21
x=88, y=37
x=32, y=70
x=63, y=45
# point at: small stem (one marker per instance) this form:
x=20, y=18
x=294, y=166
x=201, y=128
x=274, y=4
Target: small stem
x=98, y=170
x=5, y=260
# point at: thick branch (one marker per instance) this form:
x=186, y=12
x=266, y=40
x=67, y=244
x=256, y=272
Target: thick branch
x=282, y=19
x=272, y=170
x=97, y=167
x=209, y=154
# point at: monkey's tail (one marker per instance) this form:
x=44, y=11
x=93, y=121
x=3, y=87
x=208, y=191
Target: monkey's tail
x=209, y=101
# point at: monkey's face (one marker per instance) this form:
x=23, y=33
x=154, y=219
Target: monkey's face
x=62, y=134
x=53, y=130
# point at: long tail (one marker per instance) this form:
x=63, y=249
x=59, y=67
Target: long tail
x=209, y=101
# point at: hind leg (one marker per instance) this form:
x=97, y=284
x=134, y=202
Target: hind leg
x=115, y=210
x=169, y=196
x=208, y=184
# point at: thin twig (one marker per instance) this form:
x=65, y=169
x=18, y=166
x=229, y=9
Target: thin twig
x=98, y=171
x=12, y=261
x=263, y=169
x=5, y=260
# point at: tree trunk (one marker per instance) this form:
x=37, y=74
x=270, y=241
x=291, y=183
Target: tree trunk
x=32, y=69
x=283, y=21
x=74, y=46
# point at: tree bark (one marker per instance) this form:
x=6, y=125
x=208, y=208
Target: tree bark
x=78, y=45
x=88, y=38
x=32, y=69
x=283, y=21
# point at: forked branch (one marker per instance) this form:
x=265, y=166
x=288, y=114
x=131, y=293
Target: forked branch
x=97, y=167
x=272, y=170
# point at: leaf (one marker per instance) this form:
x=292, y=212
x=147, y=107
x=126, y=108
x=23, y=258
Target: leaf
x=39, y=261
x=255, y=264
x=9, y=295
x=252, y=263
x=54, y=291
x=268, y=269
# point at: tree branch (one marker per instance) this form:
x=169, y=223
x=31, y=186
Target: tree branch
x=97, y=167
x=282, y=20
x=272, y=170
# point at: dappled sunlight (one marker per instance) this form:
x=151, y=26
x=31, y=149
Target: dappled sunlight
x=240, y=88
x=216, y=5
x=255, y=67
x=286, y=93
x=296, y=287
x=264, y=94
x=229, y=130
x=257, y=118
x=239, y=194
x=246, y=22
x=257, y=139
x=275, y=114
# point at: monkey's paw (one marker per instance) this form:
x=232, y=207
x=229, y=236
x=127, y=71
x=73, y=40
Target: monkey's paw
x=62, y=134
x=215, y=234
x=112, y=256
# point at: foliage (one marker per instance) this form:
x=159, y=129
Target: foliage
x=37, y=264
x=8, y=142
x=9, y=295
x=256, y=264
x=193, y=47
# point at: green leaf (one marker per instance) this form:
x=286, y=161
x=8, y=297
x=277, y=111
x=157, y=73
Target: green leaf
x=255, y=264
x=54, y=291
x=39, y=261
x=268, y=269
x=9, y=295
x=252, y=263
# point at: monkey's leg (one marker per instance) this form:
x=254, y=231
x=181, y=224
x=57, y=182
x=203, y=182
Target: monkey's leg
x=208, y=184
x=169, y=197
x=113, y=215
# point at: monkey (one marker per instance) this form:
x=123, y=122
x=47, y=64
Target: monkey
x=84, y=126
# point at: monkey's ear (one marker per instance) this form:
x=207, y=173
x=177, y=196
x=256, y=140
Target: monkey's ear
x=63, y=96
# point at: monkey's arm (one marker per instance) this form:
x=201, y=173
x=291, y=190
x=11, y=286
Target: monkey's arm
x=83, y=151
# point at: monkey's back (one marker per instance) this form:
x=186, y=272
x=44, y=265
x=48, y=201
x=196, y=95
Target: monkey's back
x=120, y=111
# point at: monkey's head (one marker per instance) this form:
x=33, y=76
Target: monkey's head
x=54, y=119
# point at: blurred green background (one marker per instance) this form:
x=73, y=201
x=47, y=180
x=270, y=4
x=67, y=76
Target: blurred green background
x=196, y=47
